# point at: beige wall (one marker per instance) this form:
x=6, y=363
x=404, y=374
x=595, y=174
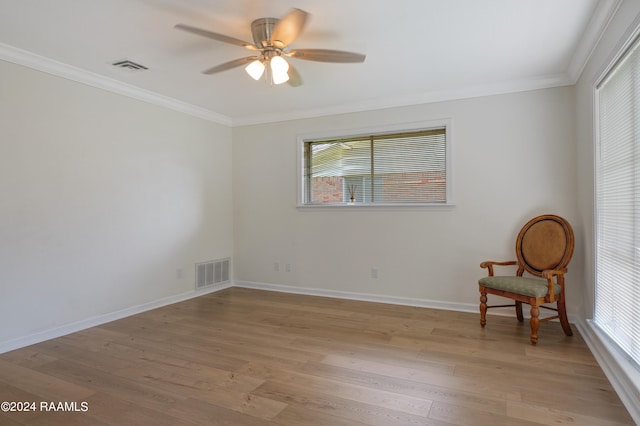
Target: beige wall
x=102, y=198
x=513, y=158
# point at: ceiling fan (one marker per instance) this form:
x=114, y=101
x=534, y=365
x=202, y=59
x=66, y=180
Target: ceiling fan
x=271, y=40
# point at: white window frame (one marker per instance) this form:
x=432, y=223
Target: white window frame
x=620, y=57
x=618, y=366
x=405, y=127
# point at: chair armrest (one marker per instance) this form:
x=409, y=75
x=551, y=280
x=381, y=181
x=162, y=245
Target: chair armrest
x=548, y=274
x=489, y=264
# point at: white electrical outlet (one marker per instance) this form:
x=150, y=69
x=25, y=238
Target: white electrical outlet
x=374, y=273
x=276, y=266
x=287, y=267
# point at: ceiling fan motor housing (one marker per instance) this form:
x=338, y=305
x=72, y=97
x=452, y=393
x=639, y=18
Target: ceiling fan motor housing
x=261, y=29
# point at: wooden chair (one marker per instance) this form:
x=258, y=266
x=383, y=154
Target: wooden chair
x=543, y=248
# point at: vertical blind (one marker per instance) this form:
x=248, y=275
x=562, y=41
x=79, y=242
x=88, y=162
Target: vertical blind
x=617, y=298
x=403, y=168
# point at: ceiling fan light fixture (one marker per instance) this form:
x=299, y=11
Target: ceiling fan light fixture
x=255, y=69
x=271, y=40
x=279, y=68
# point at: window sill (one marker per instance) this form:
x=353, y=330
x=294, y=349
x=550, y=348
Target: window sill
x=358, y=206
x=619, y=369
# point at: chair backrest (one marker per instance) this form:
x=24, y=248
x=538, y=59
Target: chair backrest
x=545, y=242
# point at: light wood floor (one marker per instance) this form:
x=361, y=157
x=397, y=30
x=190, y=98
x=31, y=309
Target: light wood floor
x=248, y=357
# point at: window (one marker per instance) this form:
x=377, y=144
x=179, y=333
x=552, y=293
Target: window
x=617, y=297
x=377, y=168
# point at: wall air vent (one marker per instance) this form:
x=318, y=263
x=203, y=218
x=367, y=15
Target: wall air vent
x=129, y=65
x=212, y=272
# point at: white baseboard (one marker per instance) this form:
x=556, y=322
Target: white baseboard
x=623, y=375
x=394, y=300
x=52, y=333
x=364, y=297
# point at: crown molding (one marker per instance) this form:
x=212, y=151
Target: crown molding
x=59, y=69
x=499, y=88
x=601, y=17
x=604, y=12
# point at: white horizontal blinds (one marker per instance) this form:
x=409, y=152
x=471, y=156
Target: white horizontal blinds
x=617, y=308
x=402, y=168
x=410, y=168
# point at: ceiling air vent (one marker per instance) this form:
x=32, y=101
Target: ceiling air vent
x=129, y=65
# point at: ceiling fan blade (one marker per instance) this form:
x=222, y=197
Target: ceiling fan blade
x=230, y=64
x=325, y=55
x=289, y=28
x=215, y=36
x=295, y=79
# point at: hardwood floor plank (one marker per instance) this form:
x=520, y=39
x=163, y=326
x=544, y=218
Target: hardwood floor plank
x=410, y=371
x=206, y=414
x=463, y=416
x=108, y=383
x=366, y=395
x=7, y=421
x=142, y=349
x=96, y=359
x=605, y=408
x=42, y=385
x=157, y=391
x=479, y=395
x=105, y=410
x=562, y=383
x=547, y=416
x=236, y=345
x=12, y=393
x=27, y=358
x=416, y=372
x=298, y=416
x=348, y=409
x=250, y=357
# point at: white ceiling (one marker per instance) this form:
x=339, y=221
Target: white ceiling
x=417, y=50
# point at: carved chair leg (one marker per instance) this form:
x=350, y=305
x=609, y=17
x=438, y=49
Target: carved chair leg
x=564, y=321
x=483, y=308
x=519, y=311
x=535, y=323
